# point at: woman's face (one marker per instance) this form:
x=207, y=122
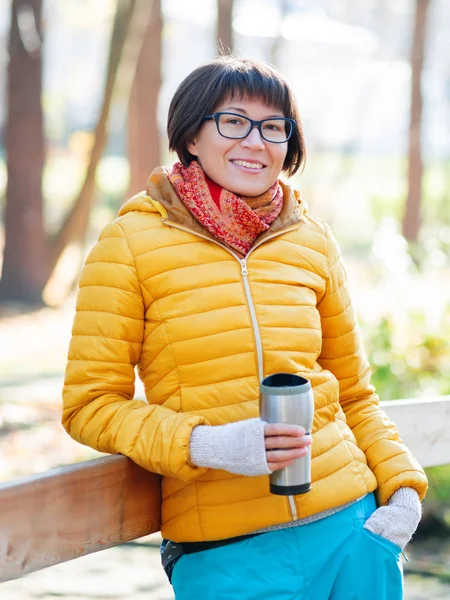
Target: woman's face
x=247, y=167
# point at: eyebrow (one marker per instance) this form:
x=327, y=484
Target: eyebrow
x=242, y=110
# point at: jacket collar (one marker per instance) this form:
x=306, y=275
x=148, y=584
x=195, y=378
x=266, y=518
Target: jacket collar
x=160, y=191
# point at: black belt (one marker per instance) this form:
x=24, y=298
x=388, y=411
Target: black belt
x=191, y=547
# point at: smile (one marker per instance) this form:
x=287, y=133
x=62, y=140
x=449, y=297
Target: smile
x=248, y=165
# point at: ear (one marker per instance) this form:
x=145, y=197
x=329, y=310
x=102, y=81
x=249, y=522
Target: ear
x=192, y=147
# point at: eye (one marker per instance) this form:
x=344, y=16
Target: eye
x=277, y=126
x=232, y=120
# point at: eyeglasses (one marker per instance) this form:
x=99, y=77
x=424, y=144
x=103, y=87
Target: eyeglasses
x=237, y=127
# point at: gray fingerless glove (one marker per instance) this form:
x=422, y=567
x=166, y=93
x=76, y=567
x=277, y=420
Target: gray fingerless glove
x=236, y=447
x=398, y=520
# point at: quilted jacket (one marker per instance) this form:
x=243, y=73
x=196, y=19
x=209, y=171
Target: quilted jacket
x=203, y=326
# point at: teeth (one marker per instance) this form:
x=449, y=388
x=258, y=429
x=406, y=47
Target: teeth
x=249, y=165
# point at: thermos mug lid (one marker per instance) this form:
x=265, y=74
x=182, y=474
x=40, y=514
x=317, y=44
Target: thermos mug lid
x=286, y=384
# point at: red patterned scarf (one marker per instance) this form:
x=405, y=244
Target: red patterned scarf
x=234, y=220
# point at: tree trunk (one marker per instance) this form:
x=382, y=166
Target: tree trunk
x=25, y=252
x=75, y=224
x=30, y=257
x=412, y=215
x=225, y=26
x=143, y=135
x=278, y=39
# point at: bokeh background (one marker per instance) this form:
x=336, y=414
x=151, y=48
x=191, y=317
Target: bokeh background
x=84, y=92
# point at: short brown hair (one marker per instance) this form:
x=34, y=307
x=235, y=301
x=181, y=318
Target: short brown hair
x=207, y=86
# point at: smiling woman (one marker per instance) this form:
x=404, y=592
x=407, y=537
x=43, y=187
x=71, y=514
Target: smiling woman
x=210, y=280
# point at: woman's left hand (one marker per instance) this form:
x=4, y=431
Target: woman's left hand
x=398, y=520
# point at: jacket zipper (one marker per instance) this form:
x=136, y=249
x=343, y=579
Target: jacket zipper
x=251, y=306
x=244, y=273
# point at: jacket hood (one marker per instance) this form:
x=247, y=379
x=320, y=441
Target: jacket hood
x=160, y=197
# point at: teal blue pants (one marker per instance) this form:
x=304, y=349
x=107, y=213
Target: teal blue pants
x=331, y=559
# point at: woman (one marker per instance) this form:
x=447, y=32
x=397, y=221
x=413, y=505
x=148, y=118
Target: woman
x=213, y=278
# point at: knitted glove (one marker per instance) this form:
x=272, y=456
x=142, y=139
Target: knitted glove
x=398, y=520
x=236, y=447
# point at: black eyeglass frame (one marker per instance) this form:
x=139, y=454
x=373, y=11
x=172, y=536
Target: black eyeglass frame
x=216, y=116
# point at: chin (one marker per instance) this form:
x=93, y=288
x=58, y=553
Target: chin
x=249, y=190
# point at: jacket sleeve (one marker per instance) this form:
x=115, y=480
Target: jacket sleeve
x=343, y=354
x=107, y=335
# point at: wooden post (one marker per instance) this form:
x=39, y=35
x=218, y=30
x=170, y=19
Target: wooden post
x=423, y=425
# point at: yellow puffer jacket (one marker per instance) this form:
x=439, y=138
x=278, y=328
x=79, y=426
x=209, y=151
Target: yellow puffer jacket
x=203, y=327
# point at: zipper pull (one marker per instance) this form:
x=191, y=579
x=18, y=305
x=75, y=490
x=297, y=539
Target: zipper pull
x=244, y=270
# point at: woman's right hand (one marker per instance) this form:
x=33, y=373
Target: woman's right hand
x=251, y=447
x=284, y=443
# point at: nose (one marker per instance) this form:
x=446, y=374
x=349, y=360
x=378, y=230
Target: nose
x=253, y=140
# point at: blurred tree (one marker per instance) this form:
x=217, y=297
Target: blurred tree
x=26, y=251
x=225, y=26
x=144, y=150
x=30, y=255
x=412, y=214
x=75, y=224
x=277, y=42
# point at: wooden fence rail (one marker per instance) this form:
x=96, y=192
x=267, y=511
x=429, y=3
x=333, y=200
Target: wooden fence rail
x=86, y=507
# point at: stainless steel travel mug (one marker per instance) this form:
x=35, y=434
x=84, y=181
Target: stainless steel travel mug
x=286, y=398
